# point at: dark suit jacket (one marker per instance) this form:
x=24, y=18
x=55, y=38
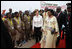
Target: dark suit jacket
x=60, y=19
x=68, y=27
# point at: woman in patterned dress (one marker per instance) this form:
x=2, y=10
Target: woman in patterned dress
x=50, y=31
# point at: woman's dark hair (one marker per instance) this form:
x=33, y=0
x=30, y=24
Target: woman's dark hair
x=51, y=11
x=16, y=13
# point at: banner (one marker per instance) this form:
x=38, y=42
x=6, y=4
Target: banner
x=49, y=5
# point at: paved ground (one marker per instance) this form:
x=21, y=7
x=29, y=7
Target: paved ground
x=28, y=44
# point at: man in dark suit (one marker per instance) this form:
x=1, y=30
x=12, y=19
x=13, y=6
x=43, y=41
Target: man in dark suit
x=6, y=41
x=68, y=26
x=60, y=19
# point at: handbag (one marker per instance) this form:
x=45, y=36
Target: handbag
x=53, y=31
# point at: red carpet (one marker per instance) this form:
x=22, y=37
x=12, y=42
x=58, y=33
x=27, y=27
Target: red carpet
x=61, y=43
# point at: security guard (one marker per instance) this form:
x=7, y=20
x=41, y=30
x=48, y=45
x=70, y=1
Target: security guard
x=68, y=25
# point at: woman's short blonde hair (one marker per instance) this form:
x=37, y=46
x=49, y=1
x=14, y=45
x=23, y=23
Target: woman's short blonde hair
x=36, y=10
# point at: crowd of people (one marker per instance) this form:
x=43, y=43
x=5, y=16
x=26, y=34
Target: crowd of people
x=43, y=25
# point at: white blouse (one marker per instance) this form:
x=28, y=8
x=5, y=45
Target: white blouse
x=37, y=21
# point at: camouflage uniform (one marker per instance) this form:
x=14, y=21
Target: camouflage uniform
x=27, y=26
x=9, y=24
x=18, y=29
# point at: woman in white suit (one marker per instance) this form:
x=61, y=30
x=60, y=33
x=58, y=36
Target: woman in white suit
x=37, y=26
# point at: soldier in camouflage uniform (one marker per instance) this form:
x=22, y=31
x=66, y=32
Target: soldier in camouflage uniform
x=27, y=20
x=9, y=24
x=17, y=26
x=22, y=24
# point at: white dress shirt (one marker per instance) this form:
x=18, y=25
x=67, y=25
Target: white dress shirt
x=37, y=21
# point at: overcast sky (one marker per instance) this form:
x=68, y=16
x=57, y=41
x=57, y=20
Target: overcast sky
x=26, y=5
